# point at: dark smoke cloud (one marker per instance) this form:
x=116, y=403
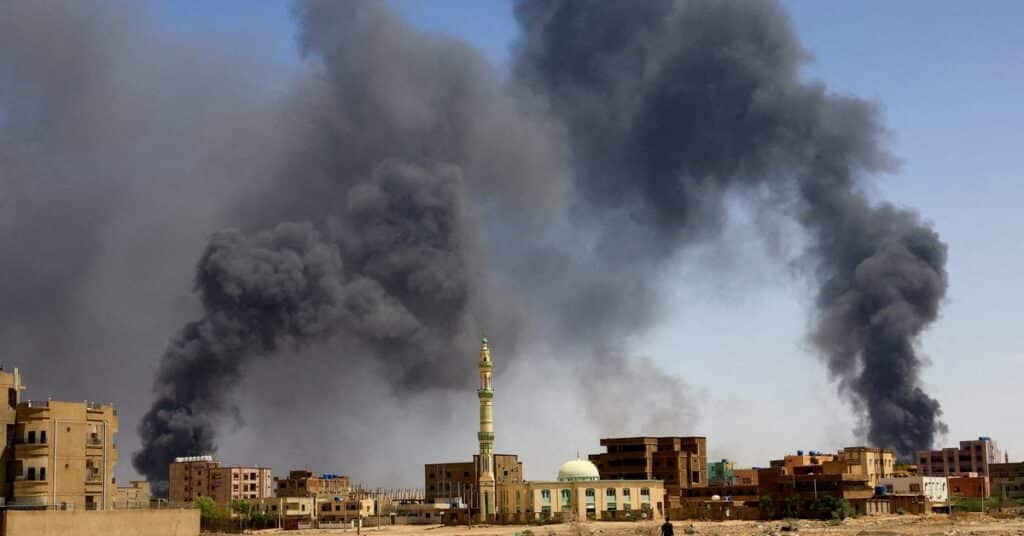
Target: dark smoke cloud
x=673, y=105
x=388, y=274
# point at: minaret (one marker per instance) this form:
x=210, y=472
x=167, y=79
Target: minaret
x=486, y=435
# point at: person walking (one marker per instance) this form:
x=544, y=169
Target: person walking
x=666, y=528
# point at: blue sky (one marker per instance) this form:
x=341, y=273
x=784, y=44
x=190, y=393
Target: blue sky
x=949, y=76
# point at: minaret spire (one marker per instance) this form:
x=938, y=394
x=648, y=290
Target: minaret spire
x=486, y=434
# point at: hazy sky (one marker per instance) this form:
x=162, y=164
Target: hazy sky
x=949, y=76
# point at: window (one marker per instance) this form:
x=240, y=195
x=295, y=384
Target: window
x=465, y=474
x=31, y=475
x=913, y=488
x=42, y=473
x=625, y=492
x=566, y=497
x=12, y=398
x=645, y=492
x=31, y=437
x=42, y=436
x=545, y=494
x=590, y=492
x=695, y=476
x=610, y=493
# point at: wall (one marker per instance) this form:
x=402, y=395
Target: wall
x=101, y=523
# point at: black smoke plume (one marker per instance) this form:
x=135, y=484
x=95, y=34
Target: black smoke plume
x=671, y=105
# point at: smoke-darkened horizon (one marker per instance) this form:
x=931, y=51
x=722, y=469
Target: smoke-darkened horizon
x=401, y=196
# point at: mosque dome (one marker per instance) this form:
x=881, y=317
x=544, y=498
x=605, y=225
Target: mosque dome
x=576, y=470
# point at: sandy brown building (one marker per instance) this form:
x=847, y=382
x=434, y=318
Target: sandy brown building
x=680, y=462
x=304, y=483
x=459, y=479
x=1007, y=479
x=10, y=383
x=136, y=494
x=973, y=456
x=868, y=462
x=64, y=455
x=201, y=476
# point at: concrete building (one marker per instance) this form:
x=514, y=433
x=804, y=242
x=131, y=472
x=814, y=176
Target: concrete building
x=189, y=478
x=304, y=483
x=932, y=487
x=10, y=383
x=973, y=456
x=1007, y=479
x=201, y=476
x=871, y=463
x=137, y=494
x=458, y=480
x=797, y=463
x=969, y=486
x=64, y=455
x=680, y=462
x=580, y=493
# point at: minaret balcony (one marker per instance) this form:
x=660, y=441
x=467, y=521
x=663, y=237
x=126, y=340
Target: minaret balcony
x=485, y=393
x=486, y=365
x=485, y=436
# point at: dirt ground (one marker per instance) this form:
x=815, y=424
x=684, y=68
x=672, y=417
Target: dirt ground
x=941, y=525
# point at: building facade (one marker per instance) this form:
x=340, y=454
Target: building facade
x=1007, y=480
x=969, y=486
x=797, y=463
x=10, y=383
x=680, y=462
x=868, y=462
x=973, y=456
x=458, y=480
x=137, y=494
x=64, y=455
x=579, y=493
x=304, y=483
x=933, y=487
x=201, y=476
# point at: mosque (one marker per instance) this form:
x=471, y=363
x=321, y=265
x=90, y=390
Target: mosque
x=577, y=493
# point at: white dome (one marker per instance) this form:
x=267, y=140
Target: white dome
x=575, y=470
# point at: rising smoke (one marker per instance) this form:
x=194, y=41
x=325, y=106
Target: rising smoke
x=399, y=197
x=671, y=105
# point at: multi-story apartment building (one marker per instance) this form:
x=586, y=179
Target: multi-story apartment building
x=868, y=462
x=304, y=483
x=64, y=455
x=972, y=456
x=802, y=462
x=459, y=479
x=189, y=478
x=201, y=476
x=680, y=462
x=1007, y=479
x=10, y=384
x=248, y=483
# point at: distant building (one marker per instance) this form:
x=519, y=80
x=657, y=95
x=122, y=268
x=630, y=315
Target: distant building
x=10, y=384
x=797, y=463
x=304, y=483
x=969, y=486
x=459, y=480
x=201, y=476
x=136, y=494
x=64, y=455
x=680, y=462
x=744, y=477
x=933, y=487
x=1007, y=479
x=580, y=493
x=720, y=473
x=871, y=463
x=972, y=456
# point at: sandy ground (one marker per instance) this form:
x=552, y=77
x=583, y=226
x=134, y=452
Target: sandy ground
x=866, y=526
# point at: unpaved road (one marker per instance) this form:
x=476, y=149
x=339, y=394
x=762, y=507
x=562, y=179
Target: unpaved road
x=939, y=525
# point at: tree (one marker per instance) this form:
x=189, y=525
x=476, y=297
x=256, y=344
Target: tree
x=207, y=508
x=766, y=507
x=830, y=507
x=793, y=505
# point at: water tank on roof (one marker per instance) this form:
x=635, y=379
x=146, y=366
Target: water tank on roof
x=984, y=438
x=880, y=490
x=799, y=453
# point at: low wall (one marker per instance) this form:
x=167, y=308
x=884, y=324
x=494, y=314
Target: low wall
x=170, y=522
